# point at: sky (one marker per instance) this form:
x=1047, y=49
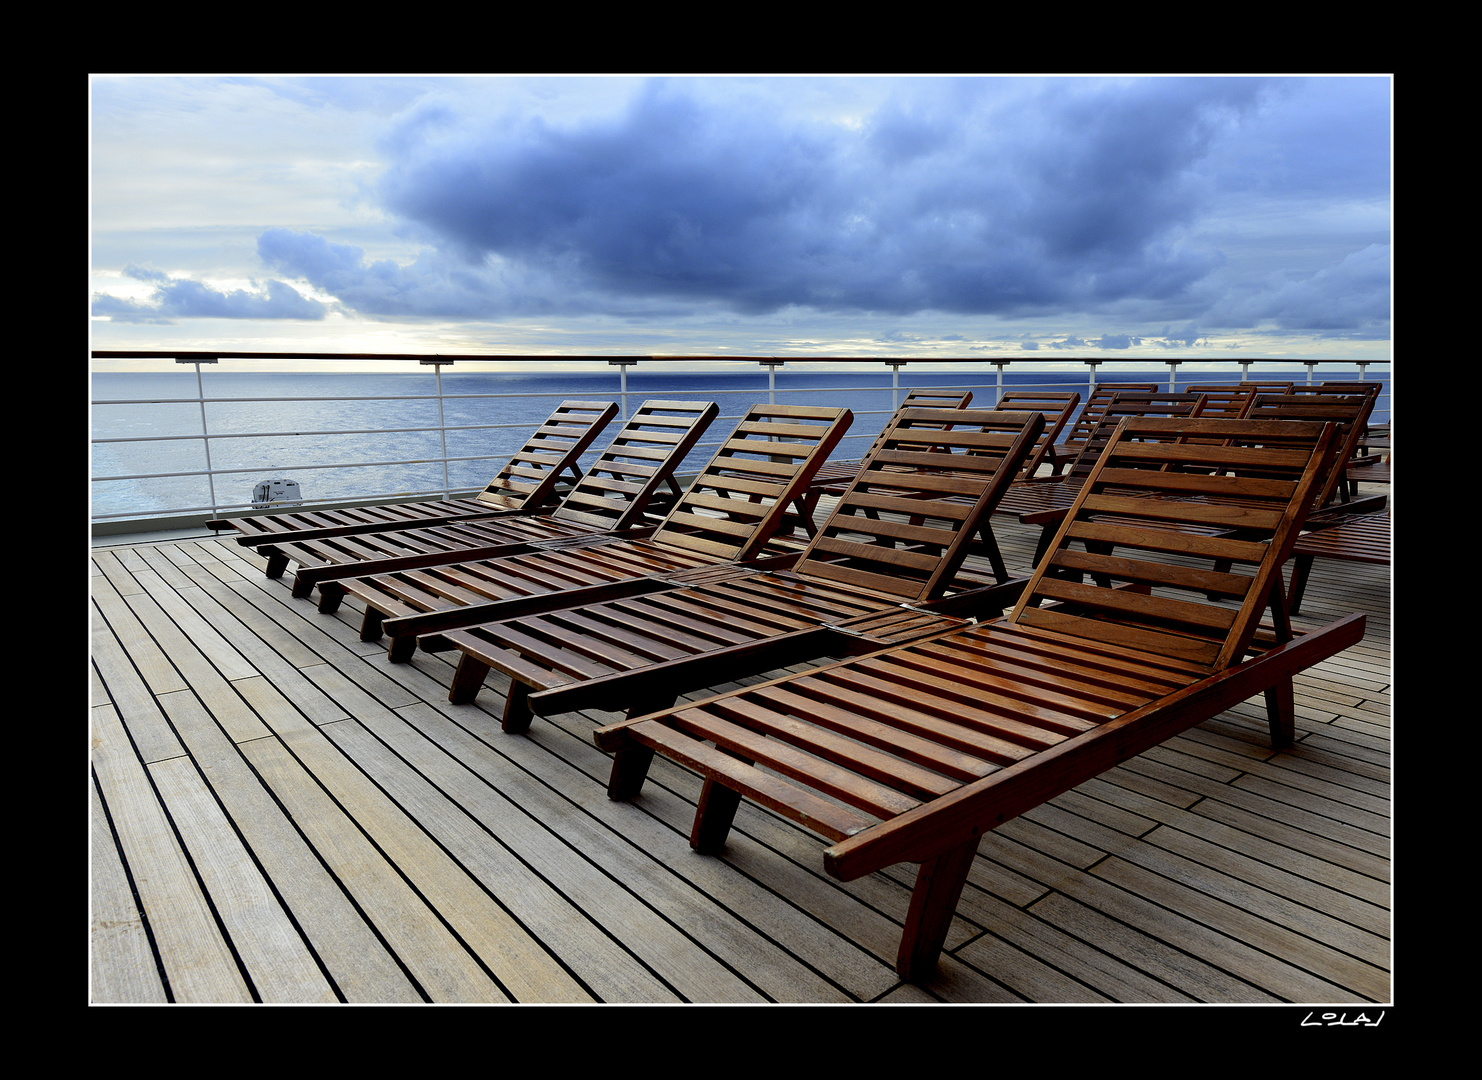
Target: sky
x=1006, y=218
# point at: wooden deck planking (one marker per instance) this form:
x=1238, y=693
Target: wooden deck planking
x=299, y=817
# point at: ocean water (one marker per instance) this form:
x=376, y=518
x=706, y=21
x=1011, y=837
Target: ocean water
x=366, y=445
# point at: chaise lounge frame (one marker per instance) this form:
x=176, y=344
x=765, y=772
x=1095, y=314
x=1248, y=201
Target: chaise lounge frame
x=526, y=484
x=885, y=566
x=910, y=754
x=729, y=514
x=614, y=497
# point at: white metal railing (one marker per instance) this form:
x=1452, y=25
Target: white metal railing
x=290, y=459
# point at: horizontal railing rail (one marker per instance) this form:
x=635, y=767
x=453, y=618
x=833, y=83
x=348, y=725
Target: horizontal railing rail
x=128, y=460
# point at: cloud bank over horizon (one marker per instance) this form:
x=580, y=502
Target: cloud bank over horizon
x=1105, y=212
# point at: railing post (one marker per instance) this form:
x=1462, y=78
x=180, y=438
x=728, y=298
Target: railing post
x=998, y=386
x=622, y=366
x=437, y=363
x=1245, y=371
x=895, y=385
x=1172, y=376
x=772, y=364
x=205, y=427
x=1091, y=386
x=1311, y=370
x=1361, y=365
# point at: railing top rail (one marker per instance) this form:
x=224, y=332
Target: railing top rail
x=187, y=356
x=165, y=472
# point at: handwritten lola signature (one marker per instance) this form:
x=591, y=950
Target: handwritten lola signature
x=1328, y=1019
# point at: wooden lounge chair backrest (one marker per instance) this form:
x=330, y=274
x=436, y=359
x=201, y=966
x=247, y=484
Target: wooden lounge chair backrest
x=936, y=399
x=1223, y=401
x=923, y=399
x=1056, y=406
x=620, y=486
x=1123, y=404
x=942, y=482
x=530, y=477
x=1255, y=476
x=834, y=476
x=1086, y=423
x=739, y=500
x=1350, y=412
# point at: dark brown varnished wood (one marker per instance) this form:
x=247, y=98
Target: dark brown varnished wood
x=615, y=496
x=526, y=484
x=912, y=753
x=898, y=535
x=1365, y=538
x=731, y=512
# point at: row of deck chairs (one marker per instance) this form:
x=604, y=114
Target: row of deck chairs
x=529, y=481
x=630, y=482
x=944, y=718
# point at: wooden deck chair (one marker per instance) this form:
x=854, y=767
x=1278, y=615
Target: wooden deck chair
x=615, y=496
x=910, y=754
x=1225, y=401
x=1350, y=412
x=1090, y=417
x=1364, y=538
x=890, y=553
x=1057, y=407
x=1373, y=436
x=835, y=476
x=729, y=513
x=528, y=483
x=1342, y=410
x=1265, y=386
x=1045, y=502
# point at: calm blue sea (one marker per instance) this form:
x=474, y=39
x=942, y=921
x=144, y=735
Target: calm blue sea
x=305, y=438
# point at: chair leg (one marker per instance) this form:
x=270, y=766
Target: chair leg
x=370, y=626
x=1301, y=569
x=713, y=817
x=468, y=679
x=995, y=556
x=401, y=648
x=302, y=587
x=1042, y=545
x=939, y=885
x=1281, y=713
x=629, y=769
x=517, y=714
x=330, y=597
x=277, y=563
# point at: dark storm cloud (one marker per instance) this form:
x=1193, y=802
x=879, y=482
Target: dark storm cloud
x=1351, y=295
x=1124, y=204
x=963, y=196
x=182, y=298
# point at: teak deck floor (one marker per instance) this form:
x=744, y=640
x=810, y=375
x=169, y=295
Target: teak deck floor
x=279, y=814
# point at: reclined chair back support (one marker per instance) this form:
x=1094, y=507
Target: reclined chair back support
x=835, y=476
x=614, y=496
x=729, y=513
x=1057, y=407
x=883, y=565
x=526, y=484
